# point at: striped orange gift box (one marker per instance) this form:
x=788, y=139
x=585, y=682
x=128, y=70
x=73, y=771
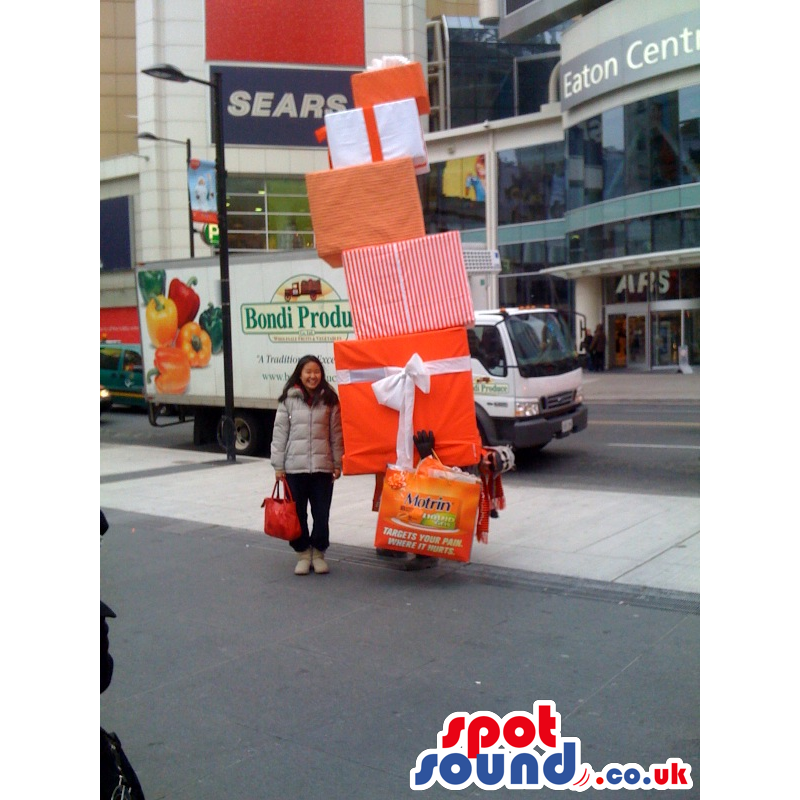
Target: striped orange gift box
x=364, y=205
x=409, y=286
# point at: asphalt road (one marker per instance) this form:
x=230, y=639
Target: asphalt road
x=632, y=447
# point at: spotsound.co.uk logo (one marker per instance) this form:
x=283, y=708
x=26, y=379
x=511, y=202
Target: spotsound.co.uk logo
x=527, y=751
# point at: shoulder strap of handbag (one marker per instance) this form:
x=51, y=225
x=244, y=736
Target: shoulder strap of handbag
x=123, y=789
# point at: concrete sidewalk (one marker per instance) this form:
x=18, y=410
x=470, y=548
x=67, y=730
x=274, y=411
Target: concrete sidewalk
x=641, y=387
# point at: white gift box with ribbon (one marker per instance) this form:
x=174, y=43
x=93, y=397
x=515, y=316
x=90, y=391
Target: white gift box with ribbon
x=377, y=133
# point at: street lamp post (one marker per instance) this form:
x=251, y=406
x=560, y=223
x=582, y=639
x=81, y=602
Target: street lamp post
x=153, y=138
x=169, y=73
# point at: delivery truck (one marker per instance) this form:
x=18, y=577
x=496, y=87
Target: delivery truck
x=526, y=374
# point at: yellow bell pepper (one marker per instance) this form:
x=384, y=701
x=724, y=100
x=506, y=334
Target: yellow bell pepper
x=161, y=316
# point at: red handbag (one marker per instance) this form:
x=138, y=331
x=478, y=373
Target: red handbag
x=280, y=513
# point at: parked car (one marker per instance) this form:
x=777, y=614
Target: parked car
x=122, y=373
x=105, y=399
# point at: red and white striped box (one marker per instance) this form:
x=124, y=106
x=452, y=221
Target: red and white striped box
x=410, y=286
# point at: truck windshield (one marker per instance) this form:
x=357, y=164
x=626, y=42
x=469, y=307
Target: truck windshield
x=542, y=344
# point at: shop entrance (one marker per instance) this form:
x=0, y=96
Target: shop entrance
x=652, y=340
x=637, y=341
x=650, y=317
x=628, y=332
x=666, y=331
x=618, y=334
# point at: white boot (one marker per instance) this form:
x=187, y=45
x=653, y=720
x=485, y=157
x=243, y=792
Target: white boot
x=303, y=562
x=318, y=561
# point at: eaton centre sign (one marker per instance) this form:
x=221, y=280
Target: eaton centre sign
x=647, y=52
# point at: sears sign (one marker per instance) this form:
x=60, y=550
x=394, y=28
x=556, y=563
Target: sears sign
x=280, y=107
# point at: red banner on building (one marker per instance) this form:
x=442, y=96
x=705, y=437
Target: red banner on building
x=277, y=32
x=120, y=325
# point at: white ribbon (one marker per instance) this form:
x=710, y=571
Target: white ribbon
x=395, y=387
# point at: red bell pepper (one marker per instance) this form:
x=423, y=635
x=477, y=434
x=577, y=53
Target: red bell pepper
x=185, y=298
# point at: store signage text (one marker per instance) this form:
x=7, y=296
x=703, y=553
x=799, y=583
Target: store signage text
x=306, y=317
x=639, y=284
x=263, y=104
x=281, y=107
x=654, y=50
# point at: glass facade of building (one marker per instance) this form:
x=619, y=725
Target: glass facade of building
x=633, y=188
x=635, y=171
x=491, y=79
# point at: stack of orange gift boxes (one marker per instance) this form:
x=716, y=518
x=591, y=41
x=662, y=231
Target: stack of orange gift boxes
x=409, y=368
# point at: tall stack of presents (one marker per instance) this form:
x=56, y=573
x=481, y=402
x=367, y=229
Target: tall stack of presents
x=408, y=368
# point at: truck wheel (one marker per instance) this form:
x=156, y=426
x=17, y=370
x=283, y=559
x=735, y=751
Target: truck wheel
x=247, y=434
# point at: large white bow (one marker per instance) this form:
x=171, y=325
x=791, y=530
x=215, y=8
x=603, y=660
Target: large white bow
x=397, y=389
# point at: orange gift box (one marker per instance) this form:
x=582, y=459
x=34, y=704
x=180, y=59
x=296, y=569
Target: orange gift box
x=431, y=513
x=364, y=205
x=391, y=83
x=374, y=433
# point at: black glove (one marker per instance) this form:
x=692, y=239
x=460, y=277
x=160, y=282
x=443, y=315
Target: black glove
x=424, y=442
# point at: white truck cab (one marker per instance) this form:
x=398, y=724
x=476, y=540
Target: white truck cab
x=526, y=377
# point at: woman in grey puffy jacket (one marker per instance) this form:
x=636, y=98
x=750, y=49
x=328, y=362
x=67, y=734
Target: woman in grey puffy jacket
x=307, y=449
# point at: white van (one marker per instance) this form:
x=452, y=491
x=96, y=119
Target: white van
x=526, y=377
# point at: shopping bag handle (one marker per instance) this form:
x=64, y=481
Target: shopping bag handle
x=276, y=495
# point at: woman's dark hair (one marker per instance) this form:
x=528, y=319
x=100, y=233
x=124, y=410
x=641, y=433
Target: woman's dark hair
x=324, y=391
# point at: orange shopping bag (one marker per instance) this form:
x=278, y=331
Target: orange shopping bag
x=431, y=511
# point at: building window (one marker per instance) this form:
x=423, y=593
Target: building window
x=520, y=285
x=453, y=195
x=268, y=213
x=651, y=234
x=690, y=228
x=643, y=146
x=689, y=115
x=531, y=184
x=585, y=163
x=666, y=232
x=613, y=153
x=614, y=240
x=116, y=246
x=690, y=284
x=639, y=238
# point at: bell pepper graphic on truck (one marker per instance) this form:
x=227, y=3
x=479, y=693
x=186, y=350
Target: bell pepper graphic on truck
x=312, y=288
